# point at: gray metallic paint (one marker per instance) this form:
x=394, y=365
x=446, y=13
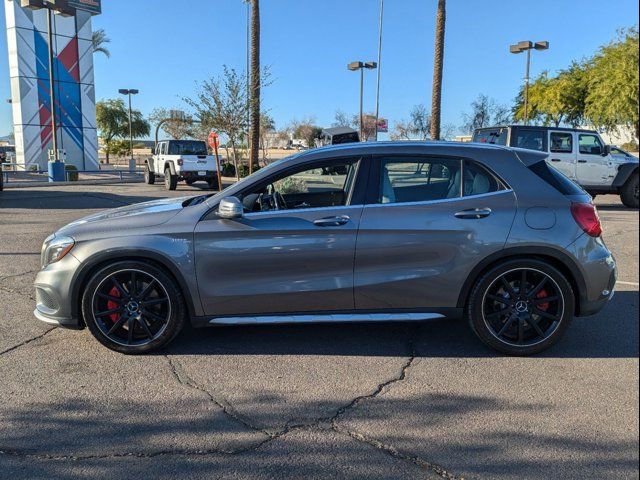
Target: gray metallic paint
x=281, y=263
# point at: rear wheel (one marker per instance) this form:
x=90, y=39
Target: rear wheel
x=170, y=181
x=521, y=307
x=133, y=307
x=149, y=176
x=213, y=184
x=189, y=182
x=629, y=192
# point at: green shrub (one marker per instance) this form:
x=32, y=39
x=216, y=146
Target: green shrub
x=291, y=185
x=243, y=170
x=228, y=170
x=73, y=175
x=34, y=168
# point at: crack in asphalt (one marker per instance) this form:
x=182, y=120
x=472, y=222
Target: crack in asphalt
x=321, y=424
x=16, y=275
x=184, y=379
x=27, y=342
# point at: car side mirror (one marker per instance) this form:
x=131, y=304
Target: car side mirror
x=606, y=151
x=230, y=208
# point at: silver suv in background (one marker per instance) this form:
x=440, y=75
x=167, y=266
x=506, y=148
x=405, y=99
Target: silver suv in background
x=581, y=155
x=357, y=232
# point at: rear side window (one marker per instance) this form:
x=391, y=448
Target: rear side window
x=418, y=179
x=561, y=142
x=478, y=180
x=556, y=179
x=495, y=136
x=529, y=139
x=187, y=147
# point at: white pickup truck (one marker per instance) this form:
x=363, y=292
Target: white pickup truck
x=181, y=160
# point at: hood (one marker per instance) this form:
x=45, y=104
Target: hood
x=140, y=215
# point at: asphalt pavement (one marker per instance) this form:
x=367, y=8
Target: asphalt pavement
x=386, y=401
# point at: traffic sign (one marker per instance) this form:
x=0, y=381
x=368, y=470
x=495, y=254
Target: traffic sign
x=214, y=140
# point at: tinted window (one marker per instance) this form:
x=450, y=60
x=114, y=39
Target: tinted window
x=478, y=180
x=529, y=139
x=418, y=179
x=556, y=179
x=561, y=142
x=187, y=147
x=496, y=136
x=590, y=145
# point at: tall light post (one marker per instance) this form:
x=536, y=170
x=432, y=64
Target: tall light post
x=129, y=92
x=379, y=65
x=355, y=66
x=527, y=46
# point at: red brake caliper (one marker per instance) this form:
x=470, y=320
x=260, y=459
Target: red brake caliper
x=543, y=306
x=111, y=305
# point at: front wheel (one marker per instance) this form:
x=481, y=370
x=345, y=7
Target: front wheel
x=521, y=307
x=133, y=307
x=629, y=192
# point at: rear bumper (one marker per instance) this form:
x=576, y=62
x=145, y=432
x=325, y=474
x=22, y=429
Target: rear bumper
x=599, y=274
x=189, y=175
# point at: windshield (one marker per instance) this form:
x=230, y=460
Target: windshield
x=187, y=147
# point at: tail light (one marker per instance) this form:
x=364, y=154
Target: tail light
x=586, y=215
x=180, y=162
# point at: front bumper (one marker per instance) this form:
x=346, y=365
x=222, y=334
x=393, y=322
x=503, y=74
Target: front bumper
x=54, y=288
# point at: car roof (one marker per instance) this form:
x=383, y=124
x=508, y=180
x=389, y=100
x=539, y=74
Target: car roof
x=536, y=127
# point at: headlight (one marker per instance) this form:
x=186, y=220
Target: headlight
x=54, y=249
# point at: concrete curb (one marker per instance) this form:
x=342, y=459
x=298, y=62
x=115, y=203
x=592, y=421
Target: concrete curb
x=10, y=185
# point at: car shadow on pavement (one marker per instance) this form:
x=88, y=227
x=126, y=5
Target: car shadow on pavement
x=70, y=200
x=613, y=333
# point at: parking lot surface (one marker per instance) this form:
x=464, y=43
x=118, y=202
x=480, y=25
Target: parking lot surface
x=422, y=400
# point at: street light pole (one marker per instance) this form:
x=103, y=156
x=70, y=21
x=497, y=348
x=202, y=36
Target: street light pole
x=379, y=66
x=353, y=66
x=129, y=92
x=527, y=46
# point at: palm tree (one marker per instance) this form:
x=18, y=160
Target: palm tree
x=254, y=101
x=438, y=60
x=99, y=40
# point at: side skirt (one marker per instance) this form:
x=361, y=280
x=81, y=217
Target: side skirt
x=328, y=317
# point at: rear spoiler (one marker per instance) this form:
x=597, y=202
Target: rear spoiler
x=529, y=157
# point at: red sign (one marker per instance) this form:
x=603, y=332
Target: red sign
x=214, y=140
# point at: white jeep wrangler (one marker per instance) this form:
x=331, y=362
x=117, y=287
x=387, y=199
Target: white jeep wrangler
x=581, y=155
x=181, y=160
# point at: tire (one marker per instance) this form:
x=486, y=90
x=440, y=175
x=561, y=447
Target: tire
x=497, y=316
x=170, y=181
x=213, y=184
x=102, y=292
x=149, y=176
x=629, y=192
x=189, y=182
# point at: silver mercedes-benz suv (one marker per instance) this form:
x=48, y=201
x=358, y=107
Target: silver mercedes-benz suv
x=359, y=232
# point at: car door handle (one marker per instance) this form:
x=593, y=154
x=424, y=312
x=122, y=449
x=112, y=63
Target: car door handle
x=473, y=213
x=582, y=161
x=556, y=160
x=332, y=221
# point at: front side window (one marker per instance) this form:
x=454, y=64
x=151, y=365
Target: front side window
x=529, y=139
x=326, y=184
x=590, y=145
x=561, y=142
x=418, y=179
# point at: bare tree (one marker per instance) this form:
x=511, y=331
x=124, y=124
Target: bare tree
x=267, y=126
x=177, y=128
x=220, y=104
x=485, y=112
x=438, y=61
x=416, y=128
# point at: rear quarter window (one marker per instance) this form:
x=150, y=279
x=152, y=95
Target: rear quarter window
x=556, y=179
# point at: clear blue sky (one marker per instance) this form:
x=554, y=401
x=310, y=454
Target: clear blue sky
x=163, y=47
